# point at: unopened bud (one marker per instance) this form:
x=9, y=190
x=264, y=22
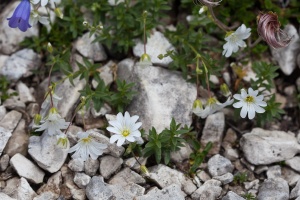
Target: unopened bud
x=145, y=60
x=49, y=47
x=59, y=13
x=37, y=119
x=203, y=9
x=225, y=90
x=144, y=170
x=197, y=104
x=62, y=141
x=199, y=71
x=85, y=23
x=53, y=110
x=145, y=13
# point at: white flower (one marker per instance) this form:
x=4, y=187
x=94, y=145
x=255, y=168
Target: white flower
x=53, y=123
x=125, y=128
x=36, y=17
x=250, y=103
x=87, y=146
x=235, y=40
x=45, y=2
x=62, y=140
x=213, y=105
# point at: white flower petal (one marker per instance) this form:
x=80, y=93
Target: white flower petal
x=120, y=141
x=113, y=130
x=114, y=138
x=251, y=111
x=258, y=109
x=238, y=104
x=238, y=97
x=130, y=138
x=44, y=2
x=244, y=111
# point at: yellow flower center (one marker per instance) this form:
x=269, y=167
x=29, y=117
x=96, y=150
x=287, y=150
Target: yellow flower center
x=87, y=139
x=211, y=101
x=249, y=99
x=125, y=132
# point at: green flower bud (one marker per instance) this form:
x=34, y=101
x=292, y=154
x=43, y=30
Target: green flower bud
x=144, y=170
x=53, y=110
x=49, y=47
x=59, y=13
x=225, y=90
x=197, y=104
x=37, y=119
x=203, y=9
x=62, y=142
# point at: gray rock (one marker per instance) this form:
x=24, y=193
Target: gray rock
x=4, y=196
x=20, y=64
x=109, y=165
x=2, y=112
x=165, y=176
x=203, y=175
x=231, y=154
x=295, y=191
x=72, y=134
x=53, y=186
x=14, y=104
x=133, y=164
x=294, y=163
x=290, y=176
x=45, y=152
x=10, y=187
x=4, y=161
x=171, y=192
x=274, y=189
x=126, y=176
x=24, y=93
x=86, y=47
x=157, y=44
x=232, y=196
x=274, y=172
x=263, y=147
x=10, y=38
x=91, y=166
x=4, y=137
x=32, y=109
x=81, y=180
x=24, y=191
x=102, y=112
x=76, y=165
x=129, y=191
x=18, y=142
x=182, y=154
x=213, y=132
x=209, y=190
x=25, y=168
x=252, y=185
x=225, y=178
x=287, y=56
x=161, y=90
x=46, y=196
x=218, y=165
x=97, y=189
x=10, y=120
x=106, y=73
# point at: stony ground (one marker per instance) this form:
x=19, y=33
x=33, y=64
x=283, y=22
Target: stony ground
x=244, y=159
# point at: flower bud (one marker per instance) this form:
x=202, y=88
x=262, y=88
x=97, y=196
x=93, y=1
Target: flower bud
x=85, y=23
x=145, y=60
x=203, y=9
x=53, y=110
x=225, y=90
x=49, y=47
x=197, y=104
x=62, y=141
x=144, y=170
x=59, y=13
x=199, y=71
x=37, y=119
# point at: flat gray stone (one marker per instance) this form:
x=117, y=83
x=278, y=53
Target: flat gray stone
x=2, y=112
x=182, y=154
x=157, y=44
x=18, y=142
x=263, y=147
x=25, y=168
x=219, y=165
x=225, y=178
x=4, y=137
x=295, y=191
x=213, y=132
x=290, y=176
x=46, y=153
x=294, y=163
x=91, y=166
x=52, y=188
x=24, y=93
x=86, y=47
x=161, y=90
x=20, y=64
x=97, y=189
x=126, y=176
x=287, y=56
x=109, y=165
x=24, y=191
x=81, y=180
x=209, y=190
x=172, y=192
x=4, y=162
x=277, y=189
x=165, y=176
x=46, y=196
x=10, y=120
x=232, y=196
x=76, y=165
x=4, y=196
x=10, y=38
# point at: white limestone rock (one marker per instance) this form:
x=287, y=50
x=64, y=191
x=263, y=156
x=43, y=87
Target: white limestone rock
x=24, y=190
x=24, y=93
x=91, y=166
x=52, y=188
x=20, y=64
x=109, y=165
x=10, y=120
x=86, y=47
x=274, y=189
x=76, y=165
x=46, y=153
x=81, y=180
x=157, y=44
x=219, y=165
x=126, y=176
x=171, y=192
x=209, y=190
x=162, y=94
x=294, y=163
x=25, y=168
x=4, y=196
x=4, y=137
x=232, y=196
x=263, y=147
x=165, y=176
x=10, y=38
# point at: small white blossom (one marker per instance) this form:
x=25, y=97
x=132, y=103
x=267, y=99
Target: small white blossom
x=250, y=103
x=53, y=123
x=125, y=128
x=86, y=147
x=45, y=2
x=213, y=105
x=62, y=140
x=35, y=17
x=235, y=40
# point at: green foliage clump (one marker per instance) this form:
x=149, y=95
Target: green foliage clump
x=4, y=86
x=240, y=178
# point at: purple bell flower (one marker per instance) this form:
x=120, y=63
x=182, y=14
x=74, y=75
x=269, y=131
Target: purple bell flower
x=21, y=16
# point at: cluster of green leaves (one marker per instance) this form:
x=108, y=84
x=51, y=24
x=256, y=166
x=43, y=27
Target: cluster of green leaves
x=249, y=196
x=240, y=177
x=265, y=79
x=4, y=86
x=169, y=140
